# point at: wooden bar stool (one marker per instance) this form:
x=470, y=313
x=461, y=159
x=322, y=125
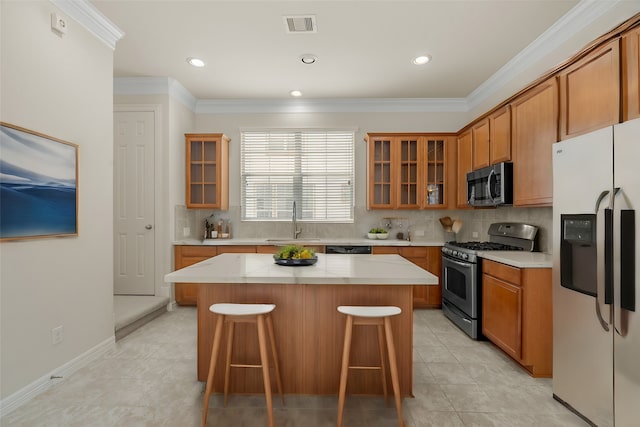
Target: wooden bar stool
x=243, y=313
x=372, y=316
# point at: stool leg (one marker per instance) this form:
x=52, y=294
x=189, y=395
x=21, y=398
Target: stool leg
x=264, y=360
x=212, y=367
x=227, y=371
x=382, y=367
x=275, y=355
x=393, y=365
x=345, y=368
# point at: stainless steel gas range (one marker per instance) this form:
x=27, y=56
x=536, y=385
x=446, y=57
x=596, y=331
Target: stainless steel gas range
x=462, y=272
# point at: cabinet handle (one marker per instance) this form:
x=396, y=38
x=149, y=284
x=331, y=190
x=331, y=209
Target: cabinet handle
x=148, y=226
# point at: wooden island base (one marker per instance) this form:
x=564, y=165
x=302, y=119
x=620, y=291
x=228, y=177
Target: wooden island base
x=309, y=334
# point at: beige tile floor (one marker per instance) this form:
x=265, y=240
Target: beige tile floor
x=148, y=379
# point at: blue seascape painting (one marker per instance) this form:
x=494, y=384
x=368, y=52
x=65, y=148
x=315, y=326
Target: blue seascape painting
x=38, y=188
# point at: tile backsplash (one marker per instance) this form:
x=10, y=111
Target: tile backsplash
x=421, y=225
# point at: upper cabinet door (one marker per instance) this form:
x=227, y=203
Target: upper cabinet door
x=631, y=74
x=480, y=133
x=380, y=194
x=437, y=178
x=500, y=135
x=207, y=169
x=464, y=165
x=410, y=168
x=534, y=125
x=590, y=92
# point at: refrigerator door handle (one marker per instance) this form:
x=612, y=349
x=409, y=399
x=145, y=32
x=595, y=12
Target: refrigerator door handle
x=626, y=280
x=600, y=198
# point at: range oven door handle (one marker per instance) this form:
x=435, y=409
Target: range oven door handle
x=458, y=263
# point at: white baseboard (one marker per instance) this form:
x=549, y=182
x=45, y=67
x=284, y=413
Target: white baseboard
x=25, y=394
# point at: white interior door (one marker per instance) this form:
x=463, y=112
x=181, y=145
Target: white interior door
x=134, y=226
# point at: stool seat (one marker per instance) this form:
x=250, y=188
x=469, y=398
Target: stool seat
x=369, y=311
x=229, y=309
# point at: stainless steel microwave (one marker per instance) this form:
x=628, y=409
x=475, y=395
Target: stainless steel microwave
x=491, y=186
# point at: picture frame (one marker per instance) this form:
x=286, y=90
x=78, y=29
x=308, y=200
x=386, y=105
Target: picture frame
x=38, y=185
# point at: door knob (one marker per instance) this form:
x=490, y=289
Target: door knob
x=148, y=226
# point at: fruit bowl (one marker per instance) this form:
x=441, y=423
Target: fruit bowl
x=293, y=262
x=293, y=255
x=382, y=236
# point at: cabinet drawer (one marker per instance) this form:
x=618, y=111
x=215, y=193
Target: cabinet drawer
x=502, y=271
x=414, y=252
x=198, y=251
x=380, y=250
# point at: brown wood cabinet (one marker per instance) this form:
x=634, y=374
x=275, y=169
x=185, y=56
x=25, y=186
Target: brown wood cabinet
x=631, y=74
x=500, y=136
x=464, y=166
x=427, y=257
x=590, y=92
x=480, y=132
x=184, y=256
x=207, y=171
x=534, y=127
x=407, y=171
x=517, y=314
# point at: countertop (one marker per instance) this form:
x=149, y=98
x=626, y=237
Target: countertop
x=329, y=270
x=309, y=242
x=520, y=259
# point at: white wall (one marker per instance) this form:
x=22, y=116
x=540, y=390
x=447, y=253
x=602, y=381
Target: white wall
x=58, y=86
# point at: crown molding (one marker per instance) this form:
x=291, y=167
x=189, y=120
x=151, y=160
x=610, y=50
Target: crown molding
x=154, y=86
x=91, y=19
x=576, y=19
x=361, y=105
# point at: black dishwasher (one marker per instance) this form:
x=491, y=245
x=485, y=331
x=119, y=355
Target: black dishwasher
x=348, y=250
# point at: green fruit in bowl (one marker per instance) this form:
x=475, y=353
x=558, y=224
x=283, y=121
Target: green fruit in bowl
x=294, y=252
x=378, y=231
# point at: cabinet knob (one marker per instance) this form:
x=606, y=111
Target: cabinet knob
x=148, y=226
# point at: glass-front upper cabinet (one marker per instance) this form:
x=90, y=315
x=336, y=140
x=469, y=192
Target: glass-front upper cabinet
x=207, y=170
x=435, y=165
x=380, y=194
x=410, y=172
x=407, y=171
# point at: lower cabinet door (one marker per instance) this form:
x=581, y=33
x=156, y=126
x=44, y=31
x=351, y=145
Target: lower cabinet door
x=502, y=315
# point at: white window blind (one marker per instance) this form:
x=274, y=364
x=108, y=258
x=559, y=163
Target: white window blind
x=314, y=168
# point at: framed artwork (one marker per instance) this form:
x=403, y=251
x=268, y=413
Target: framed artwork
x=38, y=185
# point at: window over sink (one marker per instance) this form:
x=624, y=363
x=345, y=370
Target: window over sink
x=314, y=168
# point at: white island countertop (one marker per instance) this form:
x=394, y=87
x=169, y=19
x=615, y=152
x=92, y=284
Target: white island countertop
x=331, y=269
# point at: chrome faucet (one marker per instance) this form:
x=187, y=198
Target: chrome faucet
x=295, y=224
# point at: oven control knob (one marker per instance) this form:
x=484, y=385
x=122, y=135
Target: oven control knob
x=465, y=256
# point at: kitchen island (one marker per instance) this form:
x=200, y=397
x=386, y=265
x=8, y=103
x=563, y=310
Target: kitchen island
x=309, y=330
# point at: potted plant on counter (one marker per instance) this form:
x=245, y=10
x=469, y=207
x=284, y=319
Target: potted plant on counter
x=378, y=233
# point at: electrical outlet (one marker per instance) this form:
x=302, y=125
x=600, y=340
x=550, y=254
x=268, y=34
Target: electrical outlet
x=419, y=233
x=57, y=335
x=186, y=231
x=474, y=234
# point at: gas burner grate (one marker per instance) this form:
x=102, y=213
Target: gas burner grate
x=486, y=246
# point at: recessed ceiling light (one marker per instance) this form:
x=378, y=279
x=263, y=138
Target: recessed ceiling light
x=196, y=62
x=421, y=60
x=308, y=58
x=295, y=93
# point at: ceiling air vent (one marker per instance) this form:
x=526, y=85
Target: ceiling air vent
x=300, y=24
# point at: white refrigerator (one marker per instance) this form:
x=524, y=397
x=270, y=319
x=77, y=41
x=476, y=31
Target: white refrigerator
x=596, y=302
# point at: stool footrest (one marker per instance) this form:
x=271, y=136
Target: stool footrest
x=239, y=365
x=376, y=368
